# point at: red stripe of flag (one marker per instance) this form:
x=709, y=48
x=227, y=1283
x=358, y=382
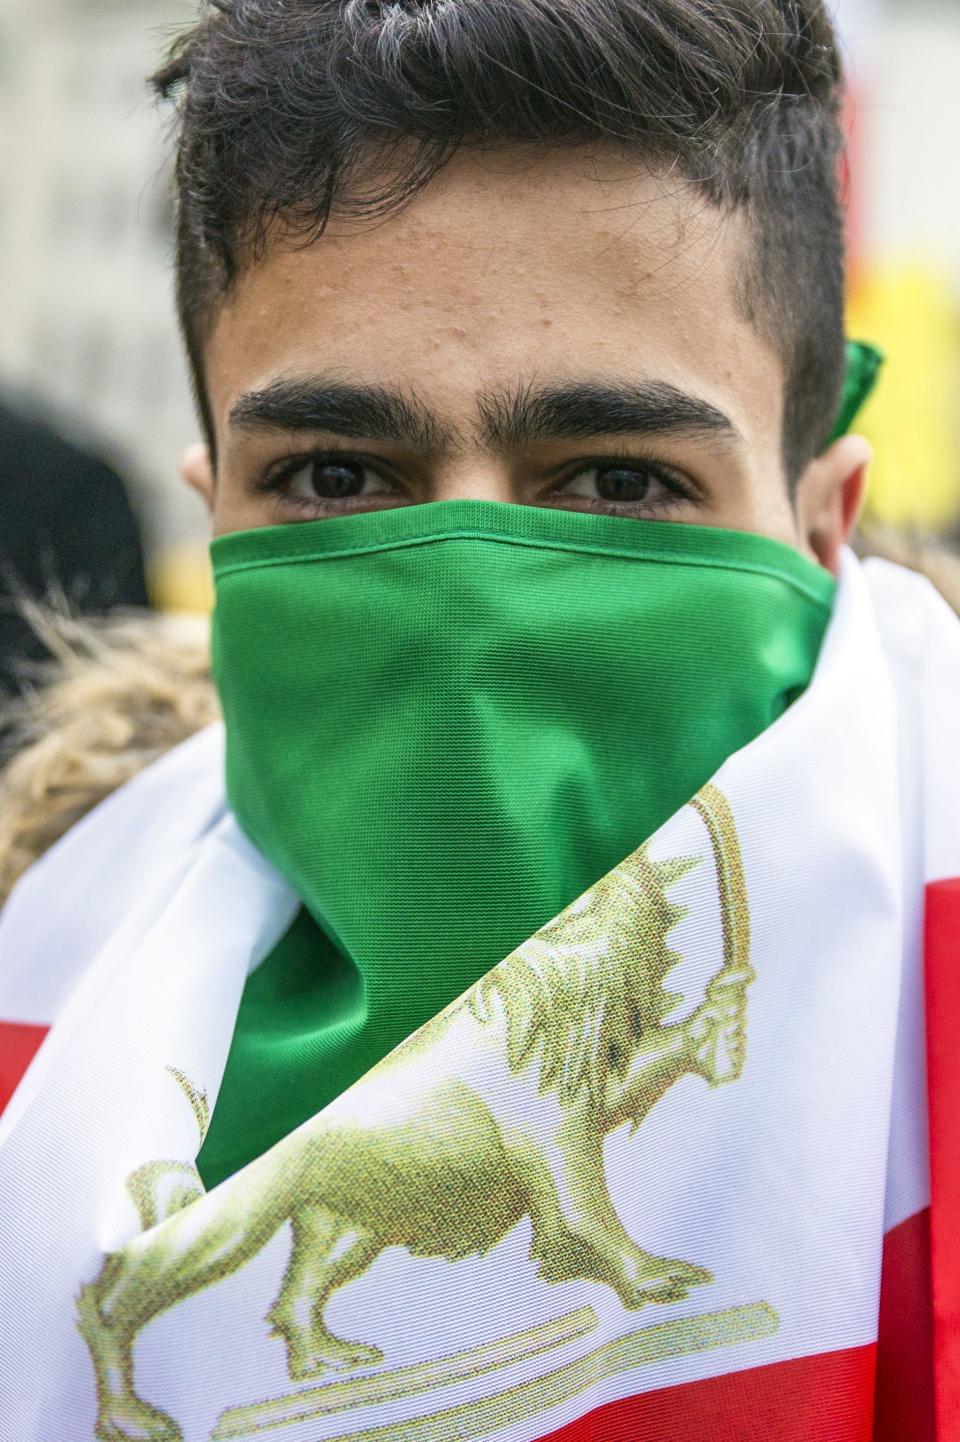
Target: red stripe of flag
x=942, y=954
x=19, y=1043
x=904, y=1398
x=828, y=1398
x=860, y=1394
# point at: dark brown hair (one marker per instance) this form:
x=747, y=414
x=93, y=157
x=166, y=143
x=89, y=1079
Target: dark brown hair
x=293, y=110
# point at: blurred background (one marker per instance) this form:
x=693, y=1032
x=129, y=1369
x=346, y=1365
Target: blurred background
x=88, y=342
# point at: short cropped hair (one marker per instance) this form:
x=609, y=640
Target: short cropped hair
x=291, y=111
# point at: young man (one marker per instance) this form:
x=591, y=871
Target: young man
x=520, y=1032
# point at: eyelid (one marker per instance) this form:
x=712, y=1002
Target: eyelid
x=279, y=471
x=675, y=479
x=679, y=482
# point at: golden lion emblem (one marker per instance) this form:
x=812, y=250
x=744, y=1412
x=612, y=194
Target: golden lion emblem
x=495, y=1111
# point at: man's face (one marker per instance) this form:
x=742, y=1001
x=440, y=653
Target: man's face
x=560, y=330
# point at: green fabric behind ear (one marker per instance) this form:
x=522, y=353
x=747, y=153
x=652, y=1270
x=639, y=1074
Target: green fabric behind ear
x=863, y=369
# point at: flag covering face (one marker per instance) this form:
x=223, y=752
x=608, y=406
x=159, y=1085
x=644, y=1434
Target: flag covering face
x=476, y=710
x=663, y=1171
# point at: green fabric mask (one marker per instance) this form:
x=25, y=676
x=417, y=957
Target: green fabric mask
x=446, y=721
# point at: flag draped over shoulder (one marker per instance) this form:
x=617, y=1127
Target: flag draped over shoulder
x=664, y=1171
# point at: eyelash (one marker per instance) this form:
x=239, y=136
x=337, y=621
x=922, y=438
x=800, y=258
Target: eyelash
x=273, y=481
x=681, y=489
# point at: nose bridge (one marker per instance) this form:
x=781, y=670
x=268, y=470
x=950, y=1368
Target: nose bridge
x=474, y=473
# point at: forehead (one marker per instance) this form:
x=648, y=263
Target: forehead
x=510, y=266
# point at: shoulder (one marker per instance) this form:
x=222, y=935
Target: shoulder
x=118, y=695
x=923, y=555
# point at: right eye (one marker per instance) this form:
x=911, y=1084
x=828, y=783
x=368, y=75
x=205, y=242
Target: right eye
x=328, y=483
x=331, y=478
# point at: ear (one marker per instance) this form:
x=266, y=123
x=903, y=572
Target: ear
x=197, y=470
x=830, y=496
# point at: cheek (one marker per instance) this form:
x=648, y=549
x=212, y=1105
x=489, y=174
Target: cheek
x=774, y=512
x=759, y=503
x=234, y=509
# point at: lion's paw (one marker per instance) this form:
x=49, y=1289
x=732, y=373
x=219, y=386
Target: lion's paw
x=131, y=1420
x=716, y=1031
x=329, y=1354
x=688, y=1272
x=667, y=1279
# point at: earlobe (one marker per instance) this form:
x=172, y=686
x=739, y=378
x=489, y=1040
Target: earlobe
x=196, y=469
x=830, y=497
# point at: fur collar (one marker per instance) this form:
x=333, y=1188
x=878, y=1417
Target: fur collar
x=116, y=695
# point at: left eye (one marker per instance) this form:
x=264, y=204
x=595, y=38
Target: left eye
x=620, y=484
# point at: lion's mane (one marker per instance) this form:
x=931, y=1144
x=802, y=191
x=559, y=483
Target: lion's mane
x=583, y=990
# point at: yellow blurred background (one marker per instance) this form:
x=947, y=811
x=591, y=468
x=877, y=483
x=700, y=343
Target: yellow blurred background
x=88, y=332
x=903, y=57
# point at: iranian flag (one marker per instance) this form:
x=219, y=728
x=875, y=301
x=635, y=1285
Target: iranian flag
x=683, y=1165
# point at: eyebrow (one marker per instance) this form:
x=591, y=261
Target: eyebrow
x=590, y=408
x=316, y=403
x=509, y=418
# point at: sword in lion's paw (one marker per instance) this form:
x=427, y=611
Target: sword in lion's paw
x=711, y=1042
x=719, y=1026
